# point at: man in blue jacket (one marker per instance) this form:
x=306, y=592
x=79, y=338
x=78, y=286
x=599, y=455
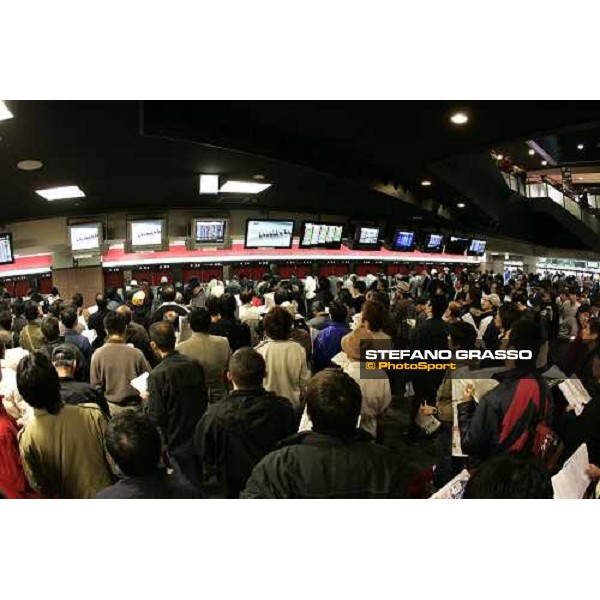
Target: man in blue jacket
x=328, y=342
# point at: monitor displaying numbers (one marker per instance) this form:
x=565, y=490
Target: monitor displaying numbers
x=210, y=231
x=321, y=235
x=6, y=249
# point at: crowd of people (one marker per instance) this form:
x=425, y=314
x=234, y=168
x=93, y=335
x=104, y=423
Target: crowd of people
x=253, y=389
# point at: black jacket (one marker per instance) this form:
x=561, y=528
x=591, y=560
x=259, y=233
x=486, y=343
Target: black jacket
x=235, y=434
x=237, y=333
x=138, y=336
x=481, y=424
x=177, y=400
x=313, y=465
x=159, y=486
x=79, y=392
x=96, y=322
x=584, y=429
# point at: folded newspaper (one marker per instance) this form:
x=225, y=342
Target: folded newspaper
x=571, y=482
x=141, y=383
x=575, y=394
x=454, y=489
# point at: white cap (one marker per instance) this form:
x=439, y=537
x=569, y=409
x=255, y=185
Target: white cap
x=133, y=282
x=433, y=271
x=164, y=279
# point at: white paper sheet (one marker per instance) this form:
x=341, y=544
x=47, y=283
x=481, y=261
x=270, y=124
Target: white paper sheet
x=575, y=394
x=454, y=489
x=141, y=383
x=571, y=482
x=90, y=334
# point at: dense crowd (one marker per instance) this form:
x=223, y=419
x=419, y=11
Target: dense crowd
x=253, y=389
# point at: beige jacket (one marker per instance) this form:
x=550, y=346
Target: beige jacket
x=63, y=455
x=287, y=373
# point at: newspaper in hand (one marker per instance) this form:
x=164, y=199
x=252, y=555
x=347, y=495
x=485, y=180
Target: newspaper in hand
x=141, y=383
x=571, y=482
x=575, y=394
x=454, y=489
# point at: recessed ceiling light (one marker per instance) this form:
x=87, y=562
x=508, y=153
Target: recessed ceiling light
x=258, y=176
x=61, y=193
x=425, y=183
x=531, y=152
x=4, y=112
x=461, y=205
x=209, y=184
x=30, y=165
x=459, y=118
x=579, y=146
x=244, y=187
x=544, y=163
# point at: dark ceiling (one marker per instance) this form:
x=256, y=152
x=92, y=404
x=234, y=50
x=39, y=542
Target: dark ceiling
x=322, y=157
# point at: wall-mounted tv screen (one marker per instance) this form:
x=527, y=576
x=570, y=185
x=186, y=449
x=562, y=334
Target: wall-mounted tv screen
x=7, y=256
x=434, y=242
x=209, y=231
x=403, y=241
x=477, y=248
x=269, y=233
x=457, y=245
x=85, y=236
x=321, y=235
x=146, y=233
x=367, y=235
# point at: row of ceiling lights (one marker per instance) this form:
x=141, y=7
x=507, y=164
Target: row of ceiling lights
x=209, y=184
x=457, y=118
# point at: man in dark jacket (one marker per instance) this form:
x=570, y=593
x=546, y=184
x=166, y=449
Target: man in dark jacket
x=504, y=419
x=137, y=335
x=68, y=317
x=328, y=342
x=96, y=320
x=334, y=460
x=177, y=399
x=224, y=323
x=168, y=305
x=236, y=433
x=134, y=444
x=65, y=358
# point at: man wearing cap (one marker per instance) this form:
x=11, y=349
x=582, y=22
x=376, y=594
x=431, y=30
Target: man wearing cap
x=64, y=359
x=198, y=297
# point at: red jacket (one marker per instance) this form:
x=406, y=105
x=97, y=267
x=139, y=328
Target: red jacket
x=13, y=483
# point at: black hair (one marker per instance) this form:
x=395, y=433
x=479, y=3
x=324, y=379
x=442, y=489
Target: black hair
x=18, y=307
x=77, y=299
x=168, y=293
x=228, y=305
x=333, y=403
x=278, y=323
x=246, y=296
x=360, y=286
x=510, y=475
x=439, y=305
x=115, y=323
x=68, y=317
x=32, y=311
x=101, y=301
x=463, y=334
x=50, y=329
x=338, y=313
x=213, y=305
x=525, y=334
x=38, y=383
x=280, y=296
x=247, y=368
x=163, y=335
x=111, y=292
x=199, y=320
x=345, y=297
x=317, y=306
x=6, y=319
x=55, y=308
x=133, y=442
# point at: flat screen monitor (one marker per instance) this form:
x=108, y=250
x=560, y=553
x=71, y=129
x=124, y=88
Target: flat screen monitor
x=321, y=235
x=7, y=256
x=367, y=235
x=477, y=248
x=210, y=231
x=457, y=245
x=85, y=236
x=269, y=233
x=403, y=241
x=146, y=233
x=434, y=242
